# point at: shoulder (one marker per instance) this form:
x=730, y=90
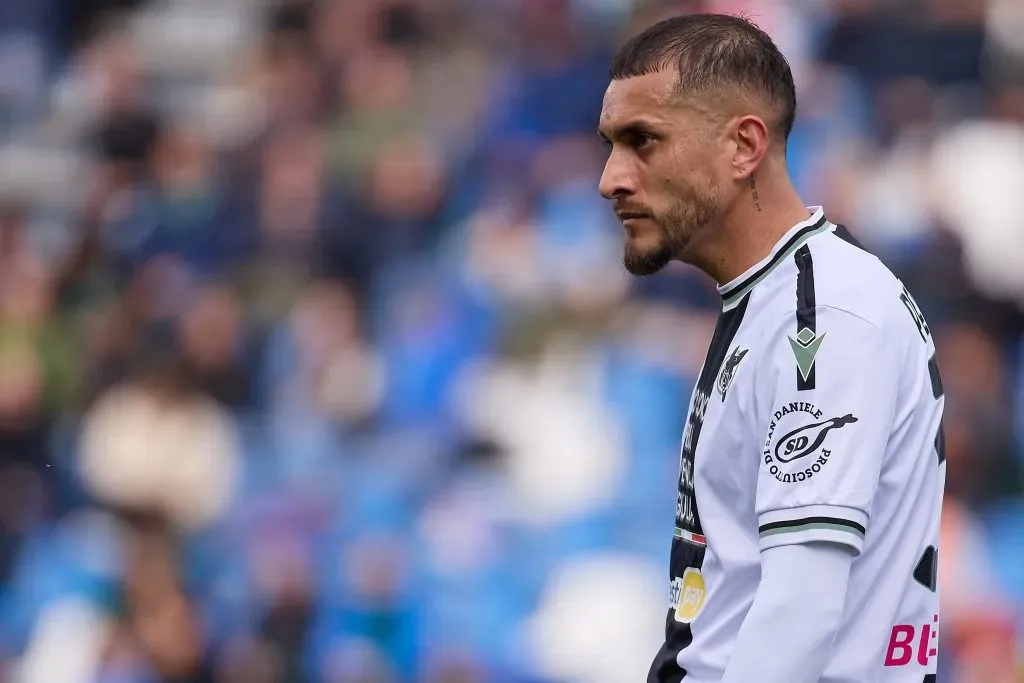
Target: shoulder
x=834, y=310
x=831, y=275
x=848, y=278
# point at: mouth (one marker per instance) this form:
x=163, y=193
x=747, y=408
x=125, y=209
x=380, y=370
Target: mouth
x=626, y=216
x=631, y=220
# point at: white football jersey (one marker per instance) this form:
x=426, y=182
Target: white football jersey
x=817, y=417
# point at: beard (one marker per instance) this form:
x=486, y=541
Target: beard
x=676, y=228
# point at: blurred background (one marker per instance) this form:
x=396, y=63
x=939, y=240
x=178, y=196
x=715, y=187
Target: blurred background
x=318, y=361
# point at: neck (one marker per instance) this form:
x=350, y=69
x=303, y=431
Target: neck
x=756, y=221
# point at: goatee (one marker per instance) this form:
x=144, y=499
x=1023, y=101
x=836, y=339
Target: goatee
x=643, y=262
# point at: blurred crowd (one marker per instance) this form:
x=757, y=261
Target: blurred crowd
x=318, y=361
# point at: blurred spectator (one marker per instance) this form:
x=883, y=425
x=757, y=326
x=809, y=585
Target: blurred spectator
x=284, y=584
x=160, y=621
x=321, y=362
x=211, y=336
x=36, y=382
x=981, y=463
x=976, y=624
x=126, y=127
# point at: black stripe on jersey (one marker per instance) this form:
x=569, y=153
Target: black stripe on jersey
x=730, y=294
x=725, y=330
x=933, y=373
x=789, y=523
x=806, y=308
x=676, y=676
x=685, y=555
x=930, y=678
x=842, y=233
x=937, y=392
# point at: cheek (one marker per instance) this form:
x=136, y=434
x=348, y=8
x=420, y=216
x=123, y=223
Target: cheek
x=682, y=175
x=685, y=167
x=670, y=180
x=721, y=171
x=682, y=187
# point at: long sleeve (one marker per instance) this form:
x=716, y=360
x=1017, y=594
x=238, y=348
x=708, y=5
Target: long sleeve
x=789, y=630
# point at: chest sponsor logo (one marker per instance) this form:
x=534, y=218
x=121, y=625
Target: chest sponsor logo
x=796, y=446
x=686, y=507
x=687, y=595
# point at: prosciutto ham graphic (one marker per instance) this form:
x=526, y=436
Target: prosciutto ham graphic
x=806, y=440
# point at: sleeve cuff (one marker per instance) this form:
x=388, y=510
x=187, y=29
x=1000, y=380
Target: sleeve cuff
x=810, y=523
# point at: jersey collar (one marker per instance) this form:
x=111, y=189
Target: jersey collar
x=738, y=288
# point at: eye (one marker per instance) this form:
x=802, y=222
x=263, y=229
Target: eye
x=640, y=141
x=643, y=141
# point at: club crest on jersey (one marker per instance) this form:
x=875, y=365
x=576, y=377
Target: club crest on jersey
x=729, y=370
x=796, y=446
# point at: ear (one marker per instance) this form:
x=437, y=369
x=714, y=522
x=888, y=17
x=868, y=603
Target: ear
x=751, y=138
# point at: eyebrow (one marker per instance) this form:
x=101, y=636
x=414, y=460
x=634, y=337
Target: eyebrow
x=631, y=128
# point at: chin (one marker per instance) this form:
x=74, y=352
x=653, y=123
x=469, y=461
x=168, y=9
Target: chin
x=647, y=261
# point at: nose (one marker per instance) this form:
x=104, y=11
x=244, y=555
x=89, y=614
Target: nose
x=616, y=180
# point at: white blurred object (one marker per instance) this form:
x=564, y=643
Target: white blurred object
x=893, y=198
x=67, y=644
x=38, y=174
x=566, y=452
x=195, y=38
x=599, y=621
x=179, y=457
x=231, y=116
x=1004, y=25
x=978, y=174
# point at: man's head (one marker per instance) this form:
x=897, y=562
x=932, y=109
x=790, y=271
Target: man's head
x=696, y=105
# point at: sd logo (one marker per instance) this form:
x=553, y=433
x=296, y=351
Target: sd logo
x=806, y=440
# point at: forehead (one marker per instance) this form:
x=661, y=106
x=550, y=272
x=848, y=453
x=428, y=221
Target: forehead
x=646, y=98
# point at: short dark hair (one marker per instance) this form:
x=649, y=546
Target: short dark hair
x=712, y=51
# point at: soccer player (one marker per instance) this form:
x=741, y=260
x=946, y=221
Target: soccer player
x=812, y=466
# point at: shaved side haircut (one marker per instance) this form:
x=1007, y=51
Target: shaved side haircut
x=714, y=55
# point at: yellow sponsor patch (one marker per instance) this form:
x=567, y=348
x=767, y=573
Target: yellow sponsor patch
x=689, y=595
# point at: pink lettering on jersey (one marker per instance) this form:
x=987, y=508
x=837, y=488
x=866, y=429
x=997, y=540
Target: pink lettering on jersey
x=900, y=652
x=922, y=648
x=902, y=646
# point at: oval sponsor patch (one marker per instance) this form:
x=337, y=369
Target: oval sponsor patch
x=796, y=447
x=688, y=595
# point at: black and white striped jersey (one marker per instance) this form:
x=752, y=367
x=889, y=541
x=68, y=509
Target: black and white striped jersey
x=816, y=417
